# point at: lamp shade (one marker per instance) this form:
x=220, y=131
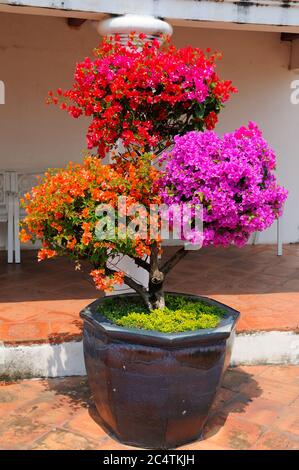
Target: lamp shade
x=126, y=24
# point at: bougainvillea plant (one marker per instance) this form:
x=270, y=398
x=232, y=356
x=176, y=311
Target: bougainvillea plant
x=61, y=212
x=231, y=177
x=147, y=96
x=144, y=93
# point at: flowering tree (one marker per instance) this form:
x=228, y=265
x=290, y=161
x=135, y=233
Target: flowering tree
x=145, y=94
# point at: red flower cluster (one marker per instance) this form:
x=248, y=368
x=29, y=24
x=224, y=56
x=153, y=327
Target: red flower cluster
x=144, y=93
x=211, y=120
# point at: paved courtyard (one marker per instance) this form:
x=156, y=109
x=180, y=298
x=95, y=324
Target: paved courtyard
x=257, y=408
x=40, y=302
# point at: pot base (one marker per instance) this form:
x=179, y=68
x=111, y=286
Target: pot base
x=155, y=390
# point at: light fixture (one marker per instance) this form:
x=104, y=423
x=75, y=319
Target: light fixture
x=124, y=25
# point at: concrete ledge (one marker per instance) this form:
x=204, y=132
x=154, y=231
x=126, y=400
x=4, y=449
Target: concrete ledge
x=269, y=347
x=42, y=360
x=66, y=359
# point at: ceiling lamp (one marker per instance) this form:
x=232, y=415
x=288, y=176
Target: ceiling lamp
x=126, y=24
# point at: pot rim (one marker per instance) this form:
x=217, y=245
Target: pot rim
x=223, y=330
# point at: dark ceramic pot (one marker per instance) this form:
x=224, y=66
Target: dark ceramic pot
x=151, y=389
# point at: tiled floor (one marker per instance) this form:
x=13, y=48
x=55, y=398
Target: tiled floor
x=40, y=301
x=257, y=408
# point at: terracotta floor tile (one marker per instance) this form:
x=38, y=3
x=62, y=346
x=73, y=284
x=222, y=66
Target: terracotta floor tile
x=16, y=394
x=206, y=444
x=287, y=374
x=282, y=393
x=256, y=410
x=24, y=332
x=232, y=432
x=60, y=439
x=110, y=444
x=53, y=412
x=18, y=431
x=282, y=272
x=290, y=261
x=254, y=371
x=290, y=285
x=85, y=424
x=288, y=419
x=65, y=331
x=276, y=440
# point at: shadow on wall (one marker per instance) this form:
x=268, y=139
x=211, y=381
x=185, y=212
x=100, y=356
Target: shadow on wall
x=64, y=359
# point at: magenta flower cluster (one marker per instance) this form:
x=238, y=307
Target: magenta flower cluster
x=231, y=177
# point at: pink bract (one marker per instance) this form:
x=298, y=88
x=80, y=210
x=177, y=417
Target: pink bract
x=232, y=177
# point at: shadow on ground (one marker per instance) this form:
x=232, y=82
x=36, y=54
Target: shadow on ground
x=252, y=269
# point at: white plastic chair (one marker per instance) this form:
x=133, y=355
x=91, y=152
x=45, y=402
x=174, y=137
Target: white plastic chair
x=13, y=186
x=23, y=184
x=7, y=184
x=255, y=237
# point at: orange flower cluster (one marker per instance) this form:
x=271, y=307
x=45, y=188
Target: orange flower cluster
x=61, y=211
x=104, y=282
x=45, y=253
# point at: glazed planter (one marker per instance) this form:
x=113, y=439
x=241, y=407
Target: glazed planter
x=151, y=389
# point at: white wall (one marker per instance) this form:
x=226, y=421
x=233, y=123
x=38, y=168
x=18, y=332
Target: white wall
x=39, y=53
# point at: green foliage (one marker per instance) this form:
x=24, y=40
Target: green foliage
x=180, y=314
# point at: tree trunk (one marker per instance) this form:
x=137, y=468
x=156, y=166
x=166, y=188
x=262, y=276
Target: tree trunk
x=156, y=281
x=157, y=298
